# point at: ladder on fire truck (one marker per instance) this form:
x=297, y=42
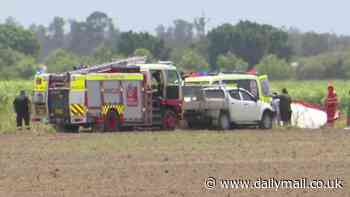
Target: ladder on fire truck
x=108, y=67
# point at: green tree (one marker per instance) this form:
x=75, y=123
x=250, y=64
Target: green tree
x=11, y=21
x=56, y=30
x=41, y=33
x=230, y=62
x=161, y=32
x=14, y=64
x=86, y=36
x=144, y=52
x=79, y=42
x=183, y=32
x=9, y=57
x=19, y=39
x=276, y=68
x=130, y=41
x=98, y=27
x=200, y=25
x=180, y=34
x=25, y=68
x=310, y=70
x=248, y=40
x=346, y=65
x=314, y=43
x=61, y=60
x=103, y=54
x=201, y=46
x=324, y=66
x=88, y=60
x=190, y=60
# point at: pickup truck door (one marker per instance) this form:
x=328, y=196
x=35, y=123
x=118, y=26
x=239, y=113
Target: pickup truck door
x=235, y=106
x=251, y=107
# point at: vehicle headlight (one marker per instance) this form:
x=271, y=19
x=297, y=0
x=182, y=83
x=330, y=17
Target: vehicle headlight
x=187, y=99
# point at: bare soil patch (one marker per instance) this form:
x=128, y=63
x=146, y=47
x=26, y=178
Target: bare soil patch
x=169, y=163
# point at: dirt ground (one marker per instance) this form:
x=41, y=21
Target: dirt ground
x=170, y=163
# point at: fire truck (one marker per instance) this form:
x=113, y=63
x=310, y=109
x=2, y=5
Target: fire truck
x=125, y=94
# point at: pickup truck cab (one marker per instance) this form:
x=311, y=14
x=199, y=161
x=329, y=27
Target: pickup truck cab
x=225, y=106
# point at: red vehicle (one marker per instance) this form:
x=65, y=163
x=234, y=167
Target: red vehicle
x=118, y=95
x=164, y=81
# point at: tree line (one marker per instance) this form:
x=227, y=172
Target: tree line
x=282, y=53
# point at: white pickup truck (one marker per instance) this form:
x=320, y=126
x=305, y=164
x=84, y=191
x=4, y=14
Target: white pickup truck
x=224, y=107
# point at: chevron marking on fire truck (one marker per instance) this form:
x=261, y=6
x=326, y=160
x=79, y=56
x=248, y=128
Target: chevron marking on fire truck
x=78, y=109
x=119, y=108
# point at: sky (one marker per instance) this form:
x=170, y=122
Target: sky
x=307, y=15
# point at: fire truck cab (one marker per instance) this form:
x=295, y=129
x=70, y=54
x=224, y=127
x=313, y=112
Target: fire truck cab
x=164, y=82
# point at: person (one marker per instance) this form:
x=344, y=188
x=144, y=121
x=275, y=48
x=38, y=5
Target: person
x=157, y=84
x=21, y=106
x=276, y=108
x=331, y=105
x=348, y=113
x=285, y=107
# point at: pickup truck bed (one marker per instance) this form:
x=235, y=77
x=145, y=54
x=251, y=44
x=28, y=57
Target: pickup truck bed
x=199, y=108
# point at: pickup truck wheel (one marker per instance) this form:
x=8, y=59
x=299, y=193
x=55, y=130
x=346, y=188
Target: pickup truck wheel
x=266, y=121
x=224, y=122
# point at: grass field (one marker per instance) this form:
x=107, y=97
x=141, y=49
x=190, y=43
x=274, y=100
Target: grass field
x=8, y=91
x=170, y=163
x=314, y=91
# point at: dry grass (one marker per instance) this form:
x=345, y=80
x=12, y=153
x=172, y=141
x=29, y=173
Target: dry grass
x=168, y=164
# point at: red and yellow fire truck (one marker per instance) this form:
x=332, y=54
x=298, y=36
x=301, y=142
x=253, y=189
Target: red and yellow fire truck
x=110, y=97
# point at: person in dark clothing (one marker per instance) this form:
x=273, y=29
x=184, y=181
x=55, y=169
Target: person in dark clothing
x=276, y=108
x=21, y=105
x=285, y=107
x=157, y=85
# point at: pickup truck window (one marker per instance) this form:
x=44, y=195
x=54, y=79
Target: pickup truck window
x=247, y=84
x=235, y=94
x=246, y=96
x=215, y=94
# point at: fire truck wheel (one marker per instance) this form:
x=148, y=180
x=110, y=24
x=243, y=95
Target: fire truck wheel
x=169, y=120
x=112, y=122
